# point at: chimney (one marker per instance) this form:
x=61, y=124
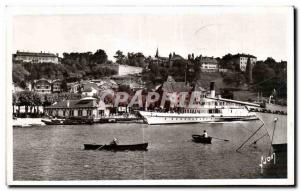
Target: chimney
x=212, y=89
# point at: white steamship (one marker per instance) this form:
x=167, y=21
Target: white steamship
x=211, y=109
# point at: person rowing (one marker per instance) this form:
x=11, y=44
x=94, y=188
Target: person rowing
x=205, y=135
x=114, y=142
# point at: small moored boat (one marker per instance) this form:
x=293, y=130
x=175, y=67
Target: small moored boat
x=53, y=121
x=202, y=139
x=69, y=121
x=112, y=147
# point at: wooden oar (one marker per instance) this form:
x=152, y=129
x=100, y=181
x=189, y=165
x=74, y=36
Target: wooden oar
x=220, y=139
x=100, y=147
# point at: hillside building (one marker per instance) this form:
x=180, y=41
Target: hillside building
x=209, y=64
x=35, y=57
x=241, y=61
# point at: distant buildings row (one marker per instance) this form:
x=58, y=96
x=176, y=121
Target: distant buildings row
x=208, y=64
x=41, y=86
x=87, y=88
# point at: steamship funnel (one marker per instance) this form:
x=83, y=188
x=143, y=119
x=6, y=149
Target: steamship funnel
x=212, y=89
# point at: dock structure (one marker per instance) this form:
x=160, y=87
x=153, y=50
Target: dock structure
x=276, y=126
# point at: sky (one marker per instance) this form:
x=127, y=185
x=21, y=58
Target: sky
x=260, y=33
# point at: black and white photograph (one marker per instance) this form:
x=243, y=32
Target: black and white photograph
x=170, y=95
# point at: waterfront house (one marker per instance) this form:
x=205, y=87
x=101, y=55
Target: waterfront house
x=85, y=107
x=42, y=86
x=45, y=86
x=56, y=86
x=74, y=87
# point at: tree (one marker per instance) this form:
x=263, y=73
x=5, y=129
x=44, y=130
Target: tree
x=248, y=73
x=264, y=77
x=15, y=100
x=20, y=74
x=64, y=85
x=26, y=99
x=36, y=101
x=99, y=57
x=270, y=62
x=120, y=58
x=227, y=62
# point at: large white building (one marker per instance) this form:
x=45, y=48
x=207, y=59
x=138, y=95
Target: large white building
x=242, y=59
x=36, y=57
x=124, y=70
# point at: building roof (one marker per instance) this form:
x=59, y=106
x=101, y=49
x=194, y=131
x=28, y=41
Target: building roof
x=57, y=80
x=74, y=104
x=211, y=60
x=35, y=54
x=88, y=87
x=243, y=55
x=42, y=80
x=199, y=88
x=172, y=86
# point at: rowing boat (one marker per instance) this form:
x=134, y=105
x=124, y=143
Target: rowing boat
x=202, y=139
x=68, y=121
x=111, y=147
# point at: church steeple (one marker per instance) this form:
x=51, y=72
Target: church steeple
x=156, y=55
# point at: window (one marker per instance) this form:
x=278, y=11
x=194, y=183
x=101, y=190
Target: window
x=64, y=113
x=89, y=112
x=71, y=112
x=79, y=112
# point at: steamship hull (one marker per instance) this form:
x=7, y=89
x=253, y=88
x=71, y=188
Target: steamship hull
x=208, y=109
x=156, y=118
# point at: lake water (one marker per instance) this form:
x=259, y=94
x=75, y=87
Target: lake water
x=56, y=152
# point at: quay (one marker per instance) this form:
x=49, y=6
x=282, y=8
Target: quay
x=277, y=127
